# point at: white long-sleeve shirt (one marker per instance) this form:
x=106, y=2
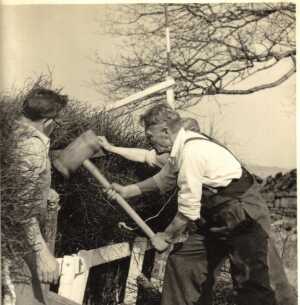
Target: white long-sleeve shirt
x=200, y=162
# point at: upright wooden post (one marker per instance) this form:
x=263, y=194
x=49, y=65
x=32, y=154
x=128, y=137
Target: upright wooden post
x=160, y=262
x=74, y=275
x=159, y=267
x=170, y=91
x=50, y=228
x=136, y=264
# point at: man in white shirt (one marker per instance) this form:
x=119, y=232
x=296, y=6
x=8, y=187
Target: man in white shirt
x=226, y=227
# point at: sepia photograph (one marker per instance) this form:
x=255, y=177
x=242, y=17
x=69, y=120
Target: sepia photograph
x=148, y=153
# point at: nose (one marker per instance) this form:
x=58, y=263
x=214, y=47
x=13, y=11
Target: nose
x=149, y=135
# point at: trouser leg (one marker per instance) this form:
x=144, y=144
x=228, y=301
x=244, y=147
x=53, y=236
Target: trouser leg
x=186, y=273
x=216, y=255
x=284, y=292
x=248, y=256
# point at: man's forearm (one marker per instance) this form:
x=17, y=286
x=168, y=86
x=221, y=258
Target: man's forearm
x=33, y=234
x=177, y=226
x=147, y=185
x=132, y=154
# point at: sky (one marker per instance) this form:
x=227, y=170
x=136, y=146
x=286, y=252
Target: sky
x=261, y=127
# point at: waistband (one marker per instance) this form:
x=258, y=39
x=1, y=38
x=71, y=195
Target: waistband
x=235, y=189
x=237, y=186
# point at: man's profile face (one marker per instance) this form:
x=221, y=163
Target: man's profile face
x=158, y=136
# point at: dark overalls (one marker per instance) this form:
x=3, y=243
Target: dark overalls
x=234, y=223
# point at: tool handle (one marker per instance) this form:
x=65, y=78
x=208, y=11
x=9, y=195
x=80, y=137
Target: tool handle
x=121, y=201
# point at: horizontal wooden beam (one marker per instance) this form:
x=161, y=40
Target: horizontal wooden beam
x=163, y=86
x=106, y=254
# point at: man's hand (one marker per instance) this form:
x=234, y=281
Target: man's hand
x=121, y=189
x=126, y=191
x=111, y=193
x=53, y=196
x=47, y=266
x=104, y=143
x=161, y=241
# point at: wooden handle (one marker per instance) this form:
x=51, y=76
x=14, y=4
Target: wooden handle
x=121, y=201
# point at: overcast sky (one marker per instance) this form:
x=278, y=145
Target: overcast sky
x=259, y=127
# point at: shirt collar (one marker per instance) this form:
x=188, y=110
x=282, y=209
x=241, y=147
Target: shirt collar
x=178, y=143
x=36, y=133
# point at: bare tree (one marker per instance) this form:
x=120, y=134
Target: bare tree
x=214, y=46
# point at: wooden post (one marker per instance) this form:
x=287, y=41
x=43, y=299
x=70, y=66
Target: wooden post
x=74, y=275
x=136, y=264
x=51, y=225
x=170, y=91
x=158, y=270
x=160, y=262
x=50, y=229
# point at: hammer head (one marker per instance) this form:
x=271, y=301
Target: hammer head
x=82, y=148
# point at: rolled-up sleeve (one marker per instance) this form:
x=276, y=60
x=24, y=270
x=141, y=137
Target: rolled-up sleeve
x=190, y=179
x=166, y=178
x=150, y=157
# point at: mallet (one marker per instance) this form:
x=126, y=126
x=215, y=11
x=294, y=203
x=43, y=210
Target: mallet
x=76, y=154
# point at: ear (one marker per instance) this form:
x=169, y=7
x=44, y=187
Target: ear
x=166, y=130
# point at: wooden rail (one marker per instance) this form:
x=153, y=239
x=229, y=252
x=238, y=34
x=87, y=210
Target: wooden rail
x=75, y=270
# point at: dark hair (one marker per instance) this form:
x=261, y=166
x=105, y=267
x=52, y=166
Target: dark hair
x=158, y=114
x=43, y=103
x=191, y=124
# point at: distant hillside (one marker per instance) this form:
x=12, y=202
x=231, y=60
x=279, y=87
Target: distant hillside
x=265, y=171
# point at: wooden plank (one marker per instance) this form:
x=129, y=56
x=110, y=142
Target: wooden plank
x=142, y=94
x=74, y=275
x=136, y=264
x=106, y=254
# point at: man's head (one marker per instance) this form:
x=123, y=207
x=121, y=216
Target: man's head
x=42, y=106
x=161, y=125
x=191, y=124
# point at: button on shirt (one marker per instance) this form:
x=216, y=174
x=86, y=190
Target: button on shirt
x=200, y=162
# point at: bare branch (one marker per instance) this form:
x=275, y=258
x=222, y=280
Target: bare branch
x=212, y=46
x=256, y=88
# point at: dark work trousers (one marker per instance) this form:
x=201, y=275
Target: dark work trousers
x=285, y=293
x=191, y=268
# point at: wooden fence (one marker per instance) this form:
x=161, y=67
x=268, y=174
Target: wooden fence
x=75, y=270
